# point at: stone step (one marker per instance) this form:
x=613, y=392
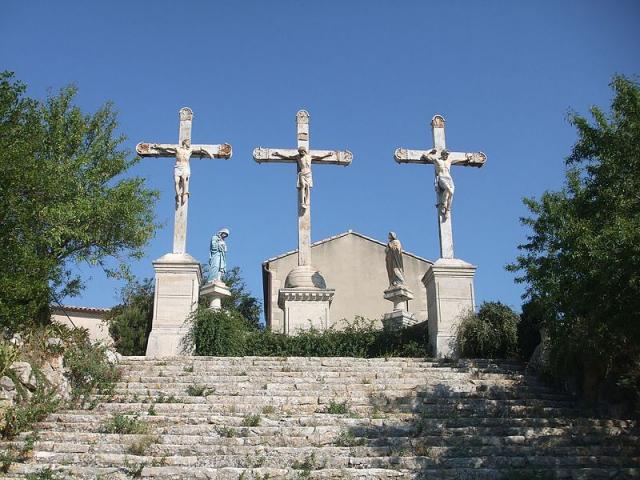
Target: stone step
x=352, y=400
x=324, y=434
x=318, y=458
x=248, y=442
x=605, y=426
x=477, y=389
x=230, y=473
x=299, y=409
x=324, y=361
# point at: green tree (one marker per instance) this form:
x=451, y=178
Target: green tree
x=490, y=333
x=582, y=257
x=62, y=200
x=241, y=300
x=130, y=322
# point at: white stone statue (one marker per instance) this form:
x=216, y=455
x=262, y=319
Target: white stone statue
x=443, y=182
x=182, y=169
x=393, y=257
x=305, y=179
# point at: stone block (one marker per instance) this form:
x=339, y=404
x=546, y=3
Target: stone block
x=24, y=374
x=305, y=308
x=450, y=294
x=398, y=319
x=177, y=287
x=214, y=292
x=7, y=384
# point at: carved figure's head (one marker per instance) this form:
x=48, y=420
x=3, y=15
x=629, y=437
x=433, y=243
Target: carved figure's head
x=186, y=143
x=392, y=236
x=223, y=233
x=302, y=149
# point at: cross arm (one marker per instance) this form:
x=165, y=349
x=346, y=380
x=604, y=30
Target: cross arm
x=212, y=151
x=473, y=159
x=404, y=155
x=289, y=155
x=267, y=155
x=156, y=149
x=332, y=157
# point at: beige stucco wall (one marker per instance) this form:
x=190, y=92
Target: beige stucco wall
x=355, y=267
x=92, y=321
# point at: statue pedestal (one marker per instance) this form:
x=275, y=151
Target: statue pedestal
x=214, y=292
x=450, y=294
x=178, y=278
x=399, y=317
x=305, y=308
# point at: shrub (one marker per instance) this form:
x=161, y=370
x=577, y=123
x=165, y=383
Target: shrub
x=8, y=355
x=337, y=408
x=141, y=445
x=124, y=424
x=223, y=333
x=44, y=474
x=217, y=333
x=20, y=418
x=130, y=322
x=89, y=371
x=491, y=333
x=199, y=391
x=251, y=421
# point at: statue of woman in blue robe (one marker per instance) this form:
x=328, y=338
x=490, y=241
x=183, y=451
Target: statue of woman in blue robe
x=218, y=255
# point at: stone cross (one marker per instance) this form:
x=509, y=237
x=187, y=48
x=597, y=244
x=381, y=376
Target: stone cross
x=442, y=159
x=303, y=157
x=182, y=152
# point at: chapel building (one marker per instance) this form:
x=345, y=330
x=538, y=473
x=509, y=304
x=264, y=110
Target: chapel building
x=354, y=265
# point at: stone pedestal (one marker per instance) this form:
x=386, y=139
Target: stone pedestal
x=178, y=278
x=450, y=294
x=400, y=316
x=305, y=308
x=214, y=292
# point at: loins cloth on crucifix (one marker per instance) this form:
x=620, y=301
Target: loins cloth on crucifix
x=183, y=151
x=442, y=159
x=303, y=157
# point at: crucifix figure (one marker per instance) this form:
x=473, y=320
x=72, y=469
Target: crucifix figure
x=182, y=152
x=303, y=158
x=442, y=160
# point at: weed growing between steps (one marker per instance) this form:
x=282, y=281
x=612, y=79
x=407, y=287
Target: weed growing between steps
x=337, y=408
x=222, y=333
x=199, y=390
x=124, y=424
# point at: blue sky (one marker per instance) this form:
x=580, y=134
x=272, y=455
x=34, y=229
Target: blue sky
x=371, y=74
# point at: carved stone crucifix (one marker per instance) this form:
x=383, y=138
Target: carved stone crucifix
x=182, y=152
x=442, y=159
x=303, y=157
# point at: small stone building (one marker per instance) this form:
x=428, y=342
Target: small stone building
x=354, y=265
x=93, y=319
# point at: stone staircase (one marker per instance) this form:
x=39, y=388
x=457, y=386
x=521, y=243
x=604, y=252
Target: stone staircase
x=331, y=418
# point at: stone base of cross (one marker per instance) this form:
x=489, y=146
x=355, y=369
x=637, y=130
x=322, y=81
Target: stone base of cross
x=177, y=288
x=449, y=281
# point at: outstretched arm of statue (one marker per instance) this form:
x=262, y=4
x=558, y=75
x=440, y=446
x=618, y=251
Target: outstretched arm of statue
x=322, y=157
x=279, y=155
